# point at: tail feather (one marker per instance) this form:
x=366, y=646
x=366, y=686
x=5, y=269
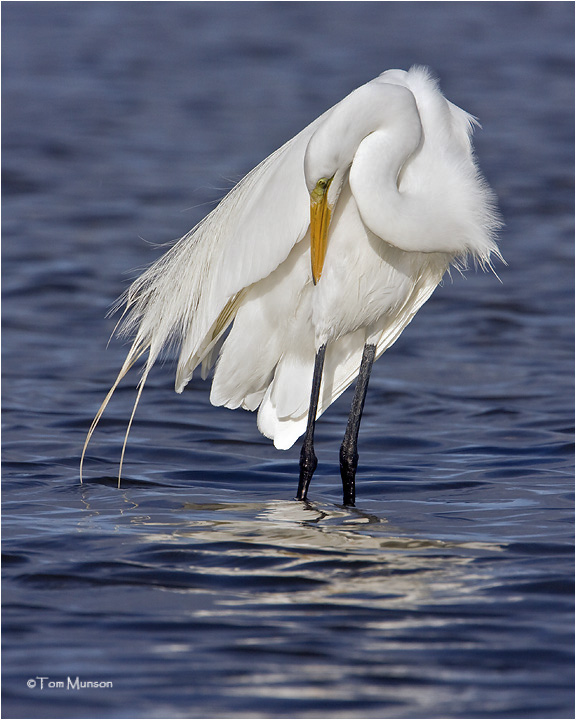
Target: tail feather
x=132, y=357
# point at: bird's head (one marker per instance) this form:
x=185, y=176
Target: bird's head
x=379, y=106
x=326, y=163
x=327, y=160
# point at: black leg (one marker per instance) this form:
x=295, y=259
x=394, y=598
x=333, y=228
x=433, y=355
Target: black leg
x=349, y=449
x=308, y=460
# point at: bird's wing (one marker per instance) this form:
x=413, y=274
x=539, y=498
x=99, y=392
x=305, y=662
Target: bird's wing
x=190, y=295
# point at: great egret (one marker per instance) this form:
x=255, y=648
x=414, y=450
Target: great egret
x=312, y=266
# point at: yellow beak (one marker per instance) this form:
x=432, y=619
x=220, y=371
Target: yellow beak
x=320, y=213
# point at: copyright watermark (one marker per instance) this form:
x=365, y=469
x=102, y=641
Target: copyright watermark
x=43, y=682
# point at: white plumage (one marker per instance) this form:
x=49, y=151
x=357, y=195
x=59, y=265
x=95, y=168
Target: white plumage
x=405, y=200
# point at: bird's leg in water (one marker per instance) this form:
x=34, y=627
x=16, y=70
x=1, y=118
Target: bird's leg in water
x=349, y=449
x=308, y=460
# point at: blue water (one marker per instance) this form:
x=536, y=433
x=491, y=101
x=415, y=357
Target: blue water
x=200, y=589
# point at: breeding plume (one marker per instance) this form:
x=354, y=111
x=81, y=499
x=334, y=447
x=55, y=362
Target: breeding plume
x=312, y=266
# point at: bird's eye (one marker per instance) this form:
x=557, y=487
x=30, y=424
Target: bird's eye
x=320, y=189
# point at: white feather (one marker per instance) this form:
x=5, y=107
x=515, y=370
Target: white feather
x=407, y=202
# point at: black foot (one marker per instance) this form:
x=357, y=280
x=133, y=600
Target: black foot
x=308, y=464
x=308, y=460
x=348, y=465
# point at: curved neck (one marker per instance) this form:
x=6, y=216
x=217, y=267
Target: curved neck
x=408, y=220
x=371, y=108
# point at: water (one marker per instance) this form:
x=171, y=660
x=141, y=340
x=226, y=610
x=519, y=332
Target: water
x=200, y=588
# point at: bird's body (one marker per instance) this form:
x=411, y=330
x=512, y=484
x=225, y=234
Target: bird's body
x=334, y=241
x=267, y=360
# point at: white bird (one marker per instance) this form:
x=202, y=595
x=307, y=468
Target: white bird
x=314, y=263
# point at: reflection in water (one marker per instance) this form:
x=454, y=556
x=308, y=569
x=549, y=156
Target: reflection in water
x=326, y=554
x=291, y=602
